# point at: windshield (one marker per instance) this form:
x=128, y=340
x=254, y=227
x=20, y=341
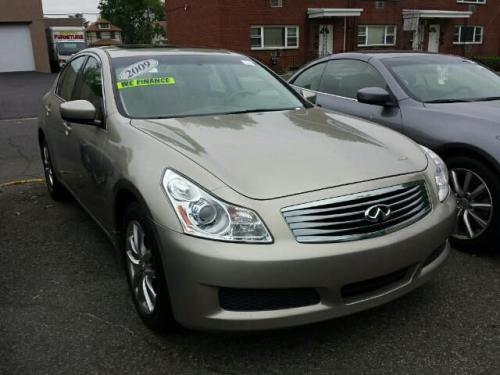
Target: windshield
x=445, y=80
x=194, y=85
x=69, y=48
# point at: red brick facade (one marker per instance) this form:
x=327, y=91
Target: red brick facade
x=227, y=24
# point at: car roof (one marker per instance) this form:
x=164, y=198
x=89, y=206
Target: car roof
x=131, y=51
x=380, y=55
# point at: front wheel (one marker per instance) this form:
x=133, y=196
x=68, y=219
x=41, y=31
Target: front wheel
x=145, y=270
x=55, y=188
x=477, y=190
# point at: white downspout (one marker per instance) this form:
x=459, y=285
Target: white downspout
x=345, y=33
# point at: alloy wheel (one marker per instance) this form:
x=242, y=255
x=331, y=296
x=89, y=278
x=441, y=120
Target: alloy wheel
x=474, y=201
x=47, y=168
x=140, y=268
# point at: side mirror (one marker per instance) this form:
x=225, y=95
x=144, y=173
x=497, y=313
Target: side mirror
x=80, y=111
x=376, y=96
x=309, y=95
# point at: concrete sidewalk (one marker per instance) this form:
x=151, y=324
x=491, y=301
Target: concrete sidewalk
x=21, y=93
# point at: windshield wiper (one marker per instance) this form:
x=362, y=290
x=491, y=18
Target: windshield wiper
x=217, y=113
x=486, y=99
x=449, y=101
x=260, y=110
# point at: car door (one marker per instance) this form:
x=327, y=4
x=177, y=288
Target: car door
x=339, y=85
x=59, y=135
x=93, y=165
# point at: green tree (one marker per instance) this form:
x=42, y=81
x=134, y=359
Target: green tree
x=137, y=18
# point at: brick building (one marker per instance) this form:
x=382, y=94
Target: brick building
x=288, y=33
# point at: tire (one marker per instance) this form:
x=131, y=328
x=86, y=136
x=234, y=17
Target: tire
x=144, y=269
x=477, y=225
x=56, y=190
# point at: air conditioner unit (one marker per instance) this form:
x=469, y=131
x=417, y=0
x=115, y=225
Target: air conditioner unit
x=472, y=7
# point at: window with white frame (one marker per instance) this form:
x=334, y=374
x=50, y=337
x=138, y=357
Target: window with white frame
x=472, y=1
x=276, y=3
x=104, y=26
x=468, y=35
x=274, y=37
x=376, y=35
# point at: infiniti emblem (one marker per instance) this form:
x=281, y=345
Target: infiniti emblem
x=378, y=213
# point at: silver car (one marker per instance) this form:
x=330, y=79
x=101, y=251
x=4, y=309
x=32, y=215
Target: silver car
x=235, y=203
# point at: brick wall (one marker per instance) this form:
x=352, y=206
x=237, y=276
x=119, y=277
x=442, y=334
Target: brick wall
x=226, y=24
x=195, y=23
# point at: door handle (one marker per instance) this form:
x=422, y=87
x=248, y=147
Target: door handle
x=67, y=128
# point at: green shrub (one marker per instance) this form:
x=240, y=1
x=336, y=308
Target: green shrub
x=492, y=62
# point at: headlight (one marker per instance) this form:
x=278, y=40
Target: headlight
x=441, y=177
x=205, y=216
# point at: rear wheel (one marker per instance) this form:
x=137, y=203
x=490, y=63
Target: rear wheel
x=145, y=270
x=477, y=190
x=55, y=188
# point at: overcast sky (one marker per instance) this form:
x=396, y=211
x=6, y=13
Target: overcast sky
x=87, y=7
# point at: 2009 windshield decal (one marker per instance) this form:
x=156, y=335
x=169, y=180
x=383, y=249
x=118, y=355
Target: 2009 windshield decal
x=145, y=82
x=138, y=69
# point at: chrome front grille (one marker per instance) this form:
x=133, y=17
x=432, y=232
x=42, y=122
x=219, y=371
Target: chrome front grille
x=344, y=218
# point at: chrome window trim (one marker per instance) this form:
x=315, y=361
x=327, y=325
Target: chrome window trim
x=325, y=93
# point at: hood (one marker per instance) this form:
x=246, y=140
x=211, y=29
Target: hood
x=488, y=111
x=274, y=154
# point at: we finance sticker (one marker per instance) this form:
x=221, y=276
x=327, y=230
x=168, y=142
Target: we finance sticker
x=137, y=69
x=144, y=82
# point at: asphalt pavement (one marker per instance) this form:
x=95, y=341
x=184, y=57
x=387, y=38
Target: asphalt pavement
x=65, y=309
x=20, y=98
x=21, y=93
x=19, y=155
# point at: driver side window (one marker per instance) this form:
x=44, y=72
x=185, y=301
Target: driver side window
x=311, y=78
x=345, y=77
x=90, y=86
x=68, y=78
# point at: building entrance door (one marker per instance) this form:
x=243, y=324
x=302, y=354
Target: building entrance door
x=433, y=44
x=325, y=40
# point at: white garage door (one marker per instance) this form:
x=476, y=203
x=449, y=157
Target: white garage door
x=16, y=50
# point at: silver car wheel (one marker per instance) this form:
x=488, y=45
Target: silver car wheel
x=140, y=268
x=474, y=201
x=47, y=168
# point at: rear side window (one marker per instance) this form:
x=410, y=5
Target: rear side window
x=68, y=78
x=346, y=77
x=310, y=78
x=90, y=85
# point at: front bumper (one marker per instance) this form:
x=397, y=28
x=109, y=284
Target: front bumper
x=197, y=269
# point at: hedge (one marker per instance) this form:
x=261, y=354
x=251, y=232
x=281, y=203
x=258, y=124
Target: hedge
x=492, y=62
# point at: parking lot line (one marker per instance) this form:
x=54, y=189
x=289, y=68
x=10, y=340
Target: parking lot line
x=22, y=182
x=18, y=119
